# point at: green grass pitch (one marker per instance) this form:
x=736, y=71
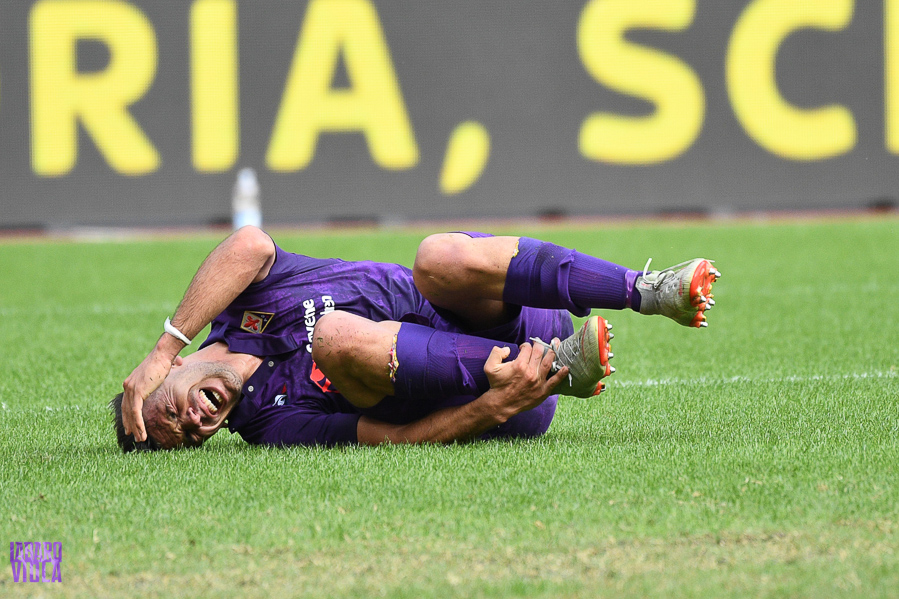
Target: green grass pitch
x=755, y=458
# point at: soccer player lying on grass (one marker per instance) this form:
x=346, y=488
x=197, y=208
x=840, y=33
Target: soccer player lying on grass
x=307, y=351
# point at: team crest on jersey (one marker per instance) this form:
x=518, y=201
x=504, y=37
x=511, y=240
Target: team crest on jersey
x=255, y=322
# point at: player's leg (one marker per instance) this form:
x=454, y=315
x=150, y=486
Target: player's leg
x=465, y=275
x=367, y=361
x=532, y=423
x=354, y=353
x=475, y=277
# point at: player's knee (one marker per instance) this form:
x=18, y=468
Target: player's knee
x=440, y=260
x=331, y=339
x=434, y=252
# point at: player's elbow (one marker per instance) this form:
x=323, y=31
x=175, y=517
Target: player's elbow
x=253, y=240
x=253, y=244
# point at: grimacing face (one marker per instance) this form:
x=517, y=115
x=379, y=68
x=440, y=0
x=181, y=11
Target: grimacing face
x=191, y=404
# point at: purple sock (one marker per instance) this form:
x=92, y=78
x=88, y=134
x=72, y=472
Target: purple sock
x=633, y=299
x=545, y=275
x=538, y=277
x=435, y=364
x=601, y=284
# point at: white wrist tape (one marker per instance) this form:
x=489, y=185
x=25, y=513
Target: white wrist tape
x=171, y=330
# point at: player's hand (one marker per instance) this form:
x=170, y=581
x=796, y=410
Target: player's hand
x=524, y=383
x=145, y=379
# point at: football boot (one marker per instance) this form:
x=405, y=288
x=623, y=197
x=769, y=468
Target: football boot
x=586, y=353
x=682, y=292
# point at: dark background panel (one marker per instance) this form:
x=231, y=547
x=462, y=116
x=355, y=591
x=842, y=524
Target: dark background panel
x=513, y=68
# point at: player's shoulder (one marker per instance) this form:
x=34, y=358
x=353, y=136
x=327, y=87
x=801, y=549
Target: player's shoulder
x=287, y=263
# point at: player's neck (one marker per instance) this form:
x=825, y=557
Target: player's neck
x=244, y=364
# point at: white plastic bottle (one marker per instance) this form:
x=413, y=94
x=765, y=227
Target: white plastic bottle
x=245, y=205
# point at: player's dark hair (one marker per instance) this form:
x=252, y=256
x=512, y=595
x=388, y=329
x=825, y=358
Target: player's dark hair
x=126, y=441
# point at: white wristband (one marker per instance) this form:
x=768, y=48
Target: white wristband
x=171, y=330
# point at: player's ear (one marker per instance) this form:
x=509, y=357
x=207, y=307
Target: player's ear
x=178, y=361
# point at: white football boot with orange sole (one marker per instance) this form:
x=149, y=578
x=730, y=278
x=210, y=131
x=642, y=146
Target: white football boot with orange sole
x=682, y=292
x=586, y=353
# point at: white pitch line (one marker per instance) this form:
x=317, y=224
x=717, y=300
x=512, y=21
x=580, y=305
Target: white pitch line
x=746, y=379
x=876, y=375
x=824, y=291
x=92, y=309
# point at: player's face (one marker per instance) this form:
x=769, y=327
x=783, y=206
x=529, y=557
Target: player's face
x=192, y=403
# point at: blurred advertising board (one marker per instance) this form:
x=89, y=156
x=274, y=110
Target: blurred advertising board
x=142, y=113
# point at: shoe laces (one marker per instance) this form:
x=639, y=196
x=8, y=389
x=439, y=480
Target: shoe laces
x=656, y=278
x=561, y=353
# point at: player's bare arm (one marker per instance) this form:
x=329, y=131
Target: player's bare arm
x=243, y=258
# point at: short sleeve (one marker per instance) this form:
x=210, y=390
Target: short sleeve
x=287, y=264
x=300, y=425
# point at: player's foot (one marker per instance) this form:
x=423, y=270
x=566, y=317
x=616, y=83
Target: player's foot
x=587, y=354
x=681, y=292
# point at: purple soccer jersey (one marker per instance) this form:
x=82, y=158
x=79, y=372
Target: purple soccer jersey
x=289, y=401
